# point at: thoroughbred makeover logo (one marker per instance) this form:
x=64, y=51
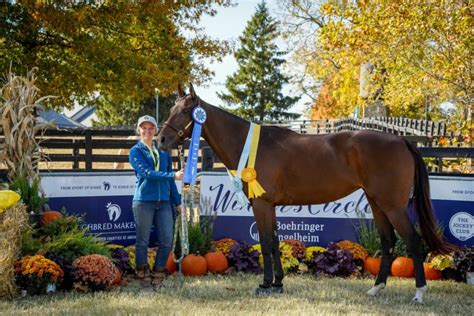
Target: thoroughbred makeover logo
x=114, y=211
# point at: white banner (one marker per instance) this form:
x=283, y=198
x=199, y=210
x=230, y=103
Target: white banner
x=90, y=184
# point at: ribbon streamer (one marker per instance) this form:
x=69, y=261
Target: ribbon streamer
x=190, y=172
x=249, y=175
x=255, y=189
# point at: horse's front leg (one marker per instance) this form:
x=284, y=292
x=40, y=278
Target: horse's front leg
x=264, y=213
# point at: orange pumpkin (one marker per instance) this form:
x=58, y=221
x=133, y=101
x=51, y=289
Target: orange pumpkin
x=194, y=265
x=216, y=262
x=430, y=273
x=403, y=267
x=372, y=265
x=171, y=265
x=49, y=216
x=118, y=277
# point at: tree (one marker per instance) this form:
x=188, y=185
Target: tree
x=118, y=51
x=422, y=51
x=257, y=84
x=128, y=111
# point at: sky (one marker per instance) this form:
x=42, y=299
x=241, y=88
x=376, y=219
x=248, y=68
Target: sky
x=228, y=24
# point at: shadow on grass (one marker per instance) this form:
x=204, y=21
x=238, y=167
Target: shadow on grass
x=235, y=293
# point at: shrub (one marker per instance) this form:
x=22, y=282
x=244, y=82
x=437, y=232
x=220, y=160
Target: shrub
x=94, y=272
x=223, y=245
x=37, y=271
x=298, y=248
x=65, y=237
x=121, y=259
x=358, y=252
x=288, y=261
x=335, y=261
x=243, y=258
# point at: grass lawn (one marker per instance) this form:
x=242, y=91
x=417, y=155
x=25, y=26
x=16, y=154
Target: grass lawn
x=234, y=294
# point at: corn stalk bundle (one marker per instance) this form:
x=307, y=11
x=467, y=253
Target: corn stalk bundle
x=20, y=152
x=13, y=221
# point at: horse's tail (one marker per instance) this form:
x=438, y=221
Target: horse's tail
x=423, y=206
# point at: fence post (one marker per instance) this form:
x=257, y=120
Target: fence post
x=88, y=146
x=75, y=155
x=207, y=163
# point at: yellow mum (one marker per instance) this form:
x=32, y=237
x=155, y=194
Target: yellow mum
x=309, y=252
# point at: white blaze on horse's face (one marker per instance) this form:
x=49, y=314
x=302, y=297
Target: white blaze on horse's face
x=177, y=128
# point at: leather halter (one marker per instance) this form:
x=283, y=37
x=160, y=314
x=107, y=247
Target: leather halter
x=181, y=131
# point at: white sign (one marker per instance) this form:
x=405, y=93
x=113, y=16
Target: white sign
x=461, y=226
x=90, y=184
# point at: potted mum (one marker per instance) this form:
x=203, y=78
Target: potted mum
x=464, y=262
x=38, y=275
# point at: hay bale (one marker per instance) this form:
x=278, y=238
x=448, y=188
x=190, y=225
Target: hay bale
x=13, y=221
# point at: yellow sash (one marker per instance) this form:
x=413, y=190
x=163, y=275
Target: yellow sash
x=249, y=174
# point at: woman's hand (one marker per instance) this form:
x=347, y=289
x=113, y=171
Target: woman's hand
x=178, y=209
x=179, y=175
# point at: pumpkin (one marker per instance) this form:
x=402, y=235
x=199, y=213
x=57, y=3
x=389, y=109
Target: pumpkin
x=49, y=216
x=216, y=262
x=431, y=273
x=194, y=265
x=118, y=277
x=372, y=265
x=403, y=267
x=170, y=265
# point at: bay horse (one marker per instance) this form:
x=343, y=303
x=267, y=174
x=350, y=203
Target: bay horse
x=297, y=169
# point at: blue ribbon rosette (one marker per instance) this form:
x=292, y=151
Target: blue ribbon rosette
x=190, y=173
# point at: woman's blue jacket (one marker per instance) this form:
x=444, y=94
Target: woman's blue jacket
x=153, y=185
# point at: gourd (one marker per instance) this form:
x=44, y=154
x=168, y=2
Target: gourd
x=431, y=273
x=372, y=265
x=403, y=267
x=170, y=265
x=49, y=216
x=194, y=265
x=216, y=262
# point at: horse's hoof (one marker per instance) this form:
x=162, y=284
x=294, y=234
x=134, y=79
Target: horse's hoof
x=261, y=291
x=419, y=294
x=277, y=289
x=376, y=289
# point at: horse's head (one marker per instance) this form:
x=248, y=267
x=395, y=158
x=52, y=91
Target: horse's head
x=178, y=126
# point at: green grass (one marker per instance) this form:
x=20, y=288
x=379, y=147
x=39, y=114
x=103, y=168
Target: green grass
x=235, y=294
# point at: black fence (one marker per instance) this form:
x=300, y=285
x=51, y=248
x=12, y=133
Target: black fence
x=84, y=149
x=393, y=125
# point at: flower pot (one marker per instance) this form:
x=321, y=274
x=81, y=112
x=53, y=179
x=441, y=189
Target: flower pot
x=50, y=288
x=34, y=290
x=34, y=218
x=453, y=274
x=470, y=278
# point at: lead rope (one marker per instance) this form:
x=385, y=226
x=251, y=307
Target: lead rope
x=181, y=225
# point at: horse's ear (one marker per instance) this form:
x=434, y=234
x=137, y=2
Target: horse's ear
x=180, y=91
x=191, y=91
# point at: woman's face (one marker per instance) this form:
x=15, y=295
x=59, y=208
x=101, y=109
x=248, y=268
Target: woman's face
x=147, y=131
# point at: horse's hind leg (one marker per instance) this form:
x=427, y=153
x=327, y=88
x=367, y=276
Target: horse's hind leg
x=388, y=240
x=264, y=213
x=403, y=226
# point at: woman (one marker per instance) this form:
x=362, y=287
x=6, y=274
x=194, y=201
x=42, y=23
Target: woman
x=155, y=197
